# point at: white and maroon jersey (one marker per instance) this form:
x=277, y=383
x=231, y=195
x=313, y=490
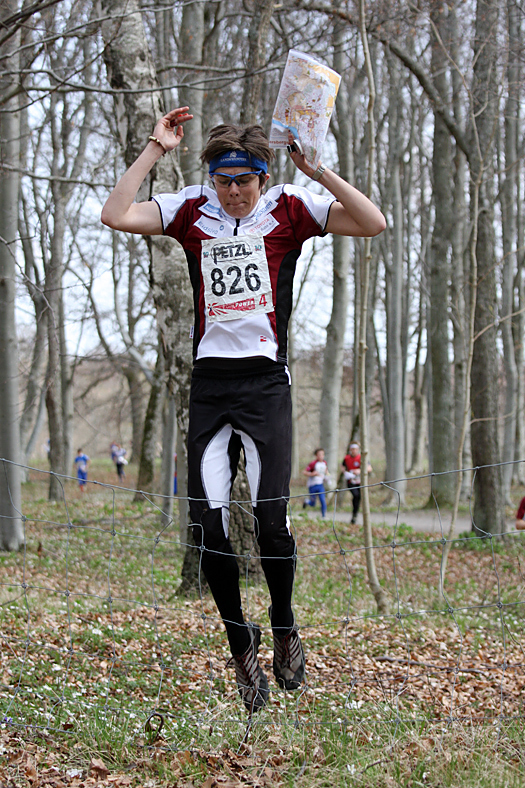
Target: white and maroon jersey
x=321, y=469
x=242, y=270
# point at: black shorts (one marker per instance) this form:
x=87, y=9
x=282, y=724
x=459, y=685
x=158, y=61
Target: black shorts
x=231, y=411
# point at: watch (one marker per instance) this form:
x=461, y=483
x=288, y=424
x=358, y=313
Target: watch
x=315, y=176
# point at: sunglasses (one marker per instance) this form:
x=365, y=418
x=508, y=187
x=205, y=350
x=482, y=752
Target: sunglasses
x=242, y=179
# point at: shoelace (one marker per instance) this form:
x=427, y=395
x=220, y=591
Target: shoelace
x=247, y=664
x=286, y=653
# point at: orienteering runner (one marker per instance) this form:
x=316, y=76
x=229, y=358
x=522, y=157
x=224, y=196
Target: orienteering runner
x=242, y=244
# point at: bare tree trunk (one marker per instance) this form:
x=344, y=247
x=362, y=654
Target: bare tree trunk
x=373, y=580
x=11, y=530
x=241, y=530
x=441, y=382
x=150, y=433
x=33, y=398
x=519, y=321
x=191, y=43
x=262, y=11
x=33, y=413
x=470, y=322
x=420, y=382
x=395, y=448
x=65, y=169
x=334, y=353
x=53, y=377
x=488, y=507
x=53, y=284
x=136, y=397
x=292, y=365
x=169, y=437
x=518, y=328
x=332, y=377
x=370, y=361
x=519, y=337
x=66, y=387
x=460, y=280
x=508, y=204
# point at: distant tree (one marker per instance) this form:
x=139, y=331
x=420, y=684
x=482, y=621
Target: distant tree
x=329, y=408
x=488, y=503
x=11, y=531
x=442, y=424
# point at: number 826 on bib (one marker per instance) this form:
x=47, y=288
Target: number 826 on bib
x=236, y=277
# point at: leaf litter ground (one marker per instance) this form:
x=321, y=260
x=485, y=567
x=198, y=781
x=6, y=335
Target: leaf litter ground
x=95, y=640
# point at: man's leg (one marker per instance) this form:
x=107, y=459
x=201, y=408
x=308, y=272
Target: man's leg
x=211, y=455
x=356, y=498
x=316, y=491
x=264, y=425
x=265, y=430
x=322, y=499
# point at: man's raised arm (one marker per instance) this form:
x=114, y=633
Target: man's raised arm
x=120, y=211
x=353, y=213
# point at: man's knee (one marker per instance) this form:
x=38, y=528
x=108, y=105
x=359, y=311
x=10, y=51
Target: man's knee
x=272, y=532
x=208, y=530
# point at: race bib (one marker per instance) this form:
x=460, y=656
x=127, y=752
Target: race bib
x=236, y=277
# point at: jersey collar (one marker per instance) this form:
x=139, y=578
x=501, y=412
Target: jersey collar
x=214, y=209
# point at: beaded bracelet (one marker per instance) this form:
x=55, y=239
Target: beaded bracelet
x=155, y=139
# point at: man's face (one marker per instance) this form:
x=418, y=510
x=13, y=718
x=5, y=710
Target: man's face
x=320, y=455
x=238, y=201
x=354, y=451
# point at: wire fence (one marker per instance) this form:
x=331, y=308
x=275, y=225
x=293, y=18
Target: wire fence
x=93, y=628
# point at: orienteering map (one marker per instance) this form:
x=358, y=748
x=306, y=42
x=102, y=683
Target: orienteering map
x=305, y=104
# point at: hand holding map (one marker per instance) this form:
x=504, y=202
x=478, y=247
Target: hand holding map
x=304, y=105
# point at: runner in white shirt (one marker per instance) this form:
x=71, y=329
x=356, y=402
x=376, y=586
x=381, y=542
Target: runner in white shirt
x=242, y=246
x=318, y=474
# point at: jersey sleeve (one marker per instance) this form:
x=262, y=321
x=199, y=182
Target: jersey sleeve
x=308, y=212
x=169, y=206
x=521, y=510
x=174, y=210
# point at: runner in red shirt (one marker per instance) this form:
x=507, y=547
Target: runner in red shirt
x=351, y=466
x=520, y=514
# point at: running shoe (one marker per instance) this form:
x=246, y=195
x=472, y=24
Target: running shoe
x=251, y=681
x=288, y=659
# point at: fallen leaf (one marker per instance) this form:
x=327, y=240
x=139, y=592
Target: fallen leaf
x=98, y=769
x=30, y=771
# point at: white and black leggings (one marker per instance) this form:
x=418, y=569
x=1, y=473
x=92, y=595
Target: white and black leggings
x=230, y=411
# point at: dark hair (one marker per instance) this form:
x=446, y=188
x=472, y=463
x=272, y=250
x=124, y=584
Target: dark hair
x=226, y=137
x=319, y=449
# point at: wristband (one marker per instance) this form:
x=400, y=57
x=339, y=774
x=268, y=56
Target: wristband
x=154, y=139
x=315, y=176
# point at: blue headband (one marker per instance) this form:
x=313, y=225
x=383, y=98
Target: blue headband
x=237, y=158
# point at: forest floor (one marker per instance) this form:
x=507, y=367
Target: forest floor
x=108, y=677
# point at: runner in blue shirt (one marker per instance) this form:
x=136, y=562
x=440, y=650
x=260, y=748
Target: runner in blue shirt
x=81, y=464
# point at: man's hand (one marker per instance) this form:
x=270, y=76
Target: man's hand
x=299, y=159
x=520, y=525
x=169, y=130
